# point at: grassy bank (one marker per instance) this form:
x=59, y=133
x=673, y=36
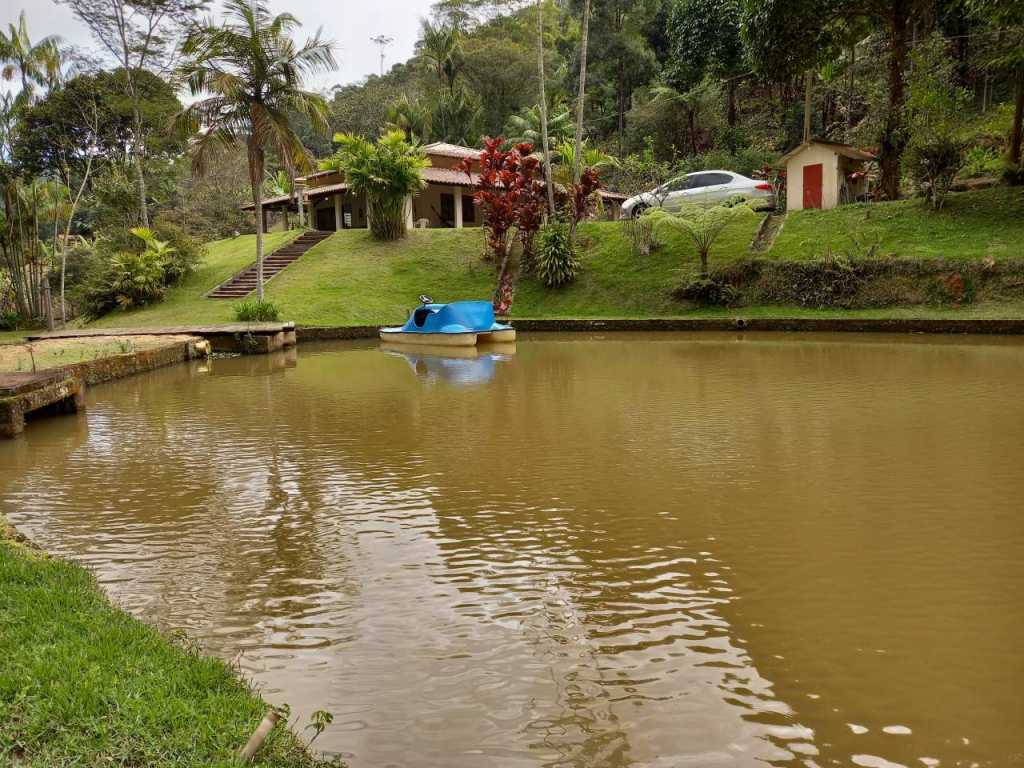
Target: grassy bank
x=987, y=223
x=82, y=683
x=350, y=279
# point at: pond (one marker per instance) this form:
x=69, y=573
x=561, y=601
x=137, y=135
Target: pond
x=636, y=550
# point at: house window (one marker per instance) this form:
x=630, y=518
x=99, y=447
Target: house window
x=448, y=209
x=468, y=209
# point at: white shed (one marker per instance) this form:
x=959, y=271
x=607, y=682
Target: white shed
x=823, y=174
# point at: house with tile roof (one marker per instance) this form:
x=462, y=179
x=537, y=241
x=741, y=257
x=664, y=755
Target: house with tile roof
x=445, y=201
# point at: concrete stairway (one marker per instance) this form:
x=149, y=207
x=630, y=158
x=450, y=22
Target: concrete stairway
x=244, y=283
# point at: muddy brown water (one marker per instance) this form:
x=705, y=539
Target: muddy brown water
x=660, y=550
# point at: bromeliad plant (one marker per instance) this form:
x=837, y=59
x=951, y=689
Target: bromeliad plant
x=387, y=172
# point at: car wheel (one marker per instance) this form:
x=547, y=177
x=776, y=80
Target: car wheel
x=638, y=210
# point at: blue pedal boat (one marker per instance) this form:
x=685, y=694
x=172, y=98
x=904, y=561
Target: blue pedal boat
x=459, y=324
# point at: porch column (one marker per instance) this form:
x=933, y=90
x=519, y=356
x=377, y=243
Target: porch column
x=264, y=222
x=409, y=223
x=300, y=204
x=311, y=213
x=338, y=217
x=458, y=207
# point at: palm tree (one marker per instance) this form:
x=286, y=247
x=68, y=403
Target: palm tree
x=34, y=63
x=252, y=73
x=410, y=118
x=525, y=127
x=441, y=46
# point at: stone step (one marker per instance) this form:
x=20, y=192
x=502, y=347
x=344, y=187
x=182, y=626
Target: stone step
x=246, y=281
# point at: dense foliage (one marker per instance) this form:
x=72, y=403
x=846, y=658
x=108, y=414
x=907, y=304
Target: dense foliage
x=386, y=171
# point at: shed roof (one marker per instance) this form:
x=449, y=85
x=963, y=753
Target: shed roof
x=846, y=150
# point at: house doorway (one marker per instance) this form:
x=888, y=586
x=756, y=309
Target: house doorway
x=325, y=220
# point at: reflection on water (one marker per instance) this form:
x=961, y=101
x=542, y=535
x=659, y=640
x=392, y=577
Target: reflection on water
x=462, y=366
x=648, y=551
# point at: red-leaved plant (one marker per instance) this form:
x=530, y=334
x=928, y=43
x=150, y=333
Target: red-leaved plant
x=510, y=193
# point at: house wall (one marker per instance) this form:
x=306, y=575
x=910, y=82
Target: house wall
x=326, y=203
x=427, y=205
x=812, y=155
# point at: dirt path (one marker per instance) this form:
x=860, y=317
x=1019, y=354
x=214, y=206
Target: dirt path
x=766, y=233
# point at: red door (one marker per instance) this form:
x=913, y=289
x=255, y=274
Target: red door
x=812, y=186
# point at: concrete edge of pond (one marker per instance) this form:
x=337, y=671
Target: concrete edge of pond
x=62, y=388
x=1007, y=327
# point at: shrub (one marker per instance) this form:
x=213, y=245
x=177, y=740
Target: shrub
x=257, y=312
x=9, y=320
x=180, y=251
x=126, y=280
x=954, y=289
x=557, y=263
x=934, y=164
x=981, y=161
x=935, y=107
x=708, y=292
x=140, y=269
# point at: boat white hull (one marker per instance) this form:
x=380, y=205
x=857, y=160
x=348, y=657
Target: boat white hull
x=503, y=336
x=430, y=339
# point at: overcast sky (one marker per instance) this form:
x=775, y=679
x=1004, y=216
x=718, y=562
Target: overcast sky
x=349, y=24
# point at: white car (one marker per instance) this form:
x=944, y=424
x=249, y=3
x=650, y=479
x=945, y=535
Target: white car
x=700, y=187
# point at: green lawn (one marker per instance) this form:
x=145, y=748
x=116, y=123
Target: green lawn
x=12, y=337
x=971, y=225
x=82, y=683
x=351, y=279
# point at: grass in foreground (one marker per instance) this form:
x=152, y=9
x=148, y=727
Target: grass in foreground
x=83, y=683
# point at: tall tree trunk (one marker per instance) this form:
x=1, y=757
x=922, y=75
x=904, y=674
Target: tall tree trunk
x=1018, y=120
x=730, y=110
x=620, y=125
x=582, y=95
x=807, y=105
x=256, y=180
x=691, y=127
x=893, y=138
x=138, y=149
x=581, y=99
x=544, y=110
x=849, y=90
